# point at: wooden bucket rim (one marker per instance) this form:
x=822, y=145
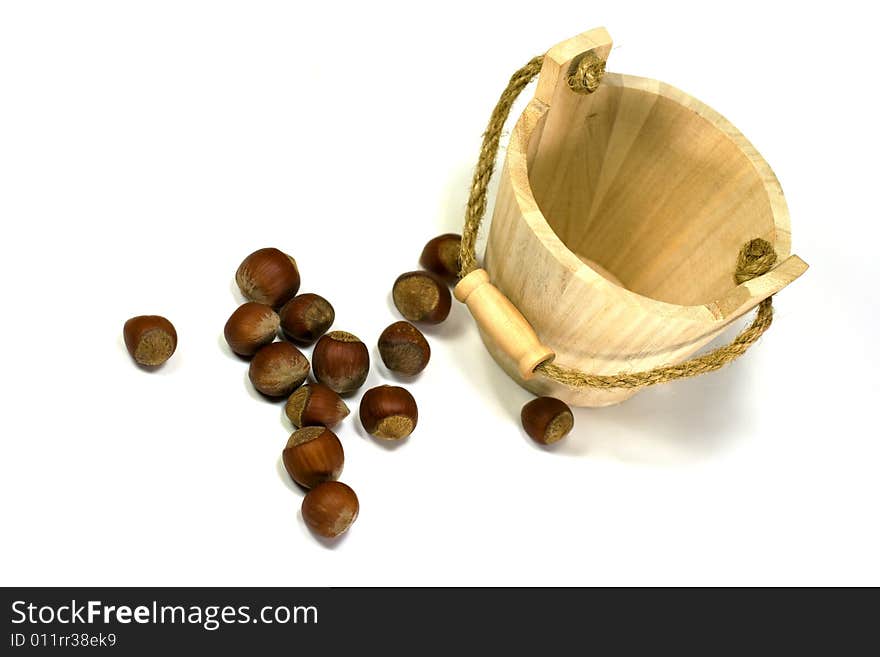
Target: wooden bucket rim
x=740, y=297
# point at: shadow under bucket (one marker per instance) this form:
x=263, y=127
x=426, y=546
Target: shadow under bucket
x=619, y=218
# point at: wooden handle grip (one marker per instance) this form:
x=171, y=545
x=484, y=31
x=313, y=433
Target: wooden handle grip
x=502, y=322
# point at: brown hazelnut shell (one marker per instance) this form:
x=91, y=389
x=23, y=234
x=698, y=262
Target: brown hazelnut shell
x=305, y=318
x=278, y=369
x=404, y=349
x=268, y=276
x=441, y=257
x=330, y=508
x=251, y=326
x=341, y=362
x=547, y=420
x=389, y=412
x=315, y=404
x=312, y=456
x=421, y=296
x=150, y=339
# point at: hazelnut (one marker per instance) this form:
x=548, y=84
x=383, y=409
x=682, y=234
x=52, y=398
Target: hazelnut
x=268, y=276
x=547, y=419
x=315, y=405
x=404, y=349
x=250, y=327
x=341, y=362
x=441, y=256
x=330, y=508
x=313, y=455
x=150, y=339
x=421, y=296
x=306, y=318
x=389, y=412
x=278, y=369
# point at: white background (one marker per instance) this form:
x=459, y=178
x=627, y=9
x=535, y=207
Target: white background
x=146, y=148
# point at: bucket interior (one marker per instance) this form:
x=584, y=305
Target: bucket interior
x=658, y=196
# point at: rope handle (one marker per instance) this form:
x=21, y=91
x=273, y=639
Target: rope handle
x=756, y=257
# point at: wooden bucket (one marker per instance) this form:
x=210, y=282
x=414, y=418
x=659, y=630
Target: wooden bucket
x=617, y=225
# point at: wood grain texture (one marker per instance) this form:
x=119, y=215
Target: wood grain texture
x=503, y=323
x=618, y=222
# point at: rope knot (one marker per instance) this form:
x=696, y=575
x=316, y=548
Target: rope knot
x=587, y=74
x=756, y=258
